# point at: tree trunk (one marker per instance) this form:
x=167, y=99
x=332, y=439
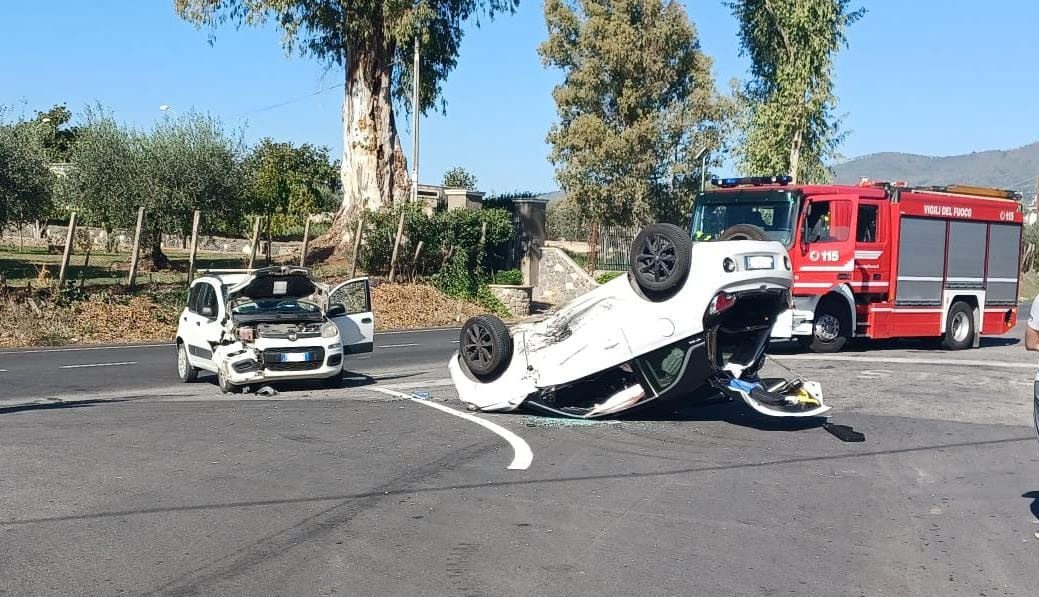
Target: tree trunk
x=592, y=260
x=374, y=171
x=155, y=260
x=795, y=156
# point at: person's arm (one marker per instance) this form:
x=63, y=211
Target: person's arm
x=1031, y=338
x=1032, y=327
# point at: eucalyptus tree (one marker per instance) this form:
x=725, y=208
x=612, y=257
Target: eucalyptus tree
x=373, y=43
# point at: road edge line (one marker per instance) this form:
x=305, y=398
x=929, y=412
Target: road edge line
x=522, y=455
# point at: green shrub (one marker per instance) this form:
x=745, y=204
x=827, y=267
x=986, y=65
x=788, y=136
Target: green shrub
x=607, y=276
x=455, y=279
x=438, y=234
x=509, y=277
x=486, y=299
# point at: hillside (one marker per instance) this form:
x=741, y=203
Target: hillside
x=1014, y=169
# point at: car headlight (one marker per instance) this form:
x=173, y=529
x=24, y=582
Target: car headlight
x=329, y=330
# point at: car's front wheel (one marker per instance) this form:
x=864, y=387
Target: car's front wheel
x=485, y=346
x=225, y=386
x=186, y=372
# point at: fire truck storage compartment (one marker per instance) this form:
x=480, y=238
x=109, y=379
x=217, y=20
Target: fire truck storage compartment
x=926, y=267
x=1004, y=254
x=966, y=255
x=921, y=261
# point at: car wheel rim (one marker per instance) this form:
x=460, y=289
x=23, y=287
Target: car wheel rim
x=960, y=327
x=657, y=258
x=827, y=328
x=479, y=346
x=182, y=363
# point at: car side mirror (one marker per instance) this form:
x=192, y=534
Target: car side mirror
x=336, y=310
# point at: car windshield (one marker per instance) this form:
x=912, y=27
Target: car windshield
x=773, y=212
x=272, y=306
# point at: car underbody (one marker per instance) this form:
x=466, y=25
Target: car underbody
x=623, y=347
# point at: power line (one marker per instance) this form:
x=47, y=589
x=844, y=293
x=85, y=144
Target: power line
x=293, y=100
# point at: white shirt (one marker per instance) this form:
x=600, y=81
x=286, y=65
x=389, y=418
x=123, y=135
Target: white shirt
x=1033, y=322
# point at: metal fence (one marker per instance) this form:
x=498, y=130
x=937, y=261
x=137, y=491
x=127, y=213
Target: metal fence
x=614, y=244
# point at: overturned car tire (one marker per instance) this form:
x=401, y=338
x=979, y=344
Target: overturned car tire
x=485, y=346
x=743, y=232
x=660, y=258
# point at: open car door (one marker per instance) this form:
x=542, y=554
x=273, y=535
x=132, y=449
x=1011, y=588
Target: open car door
x=350, y=308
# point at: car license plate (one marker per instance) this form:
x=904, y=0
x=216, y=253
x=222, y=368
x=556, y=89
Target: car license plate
x=294, y=357
x=753, y=262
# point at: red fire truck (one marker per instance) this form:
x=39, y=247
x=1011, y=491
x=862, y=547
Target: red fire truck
x=880, y=260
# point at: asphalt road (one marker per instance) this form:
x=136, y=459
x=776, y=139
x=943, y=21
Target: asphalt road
x=146, y=486
x=68, y=371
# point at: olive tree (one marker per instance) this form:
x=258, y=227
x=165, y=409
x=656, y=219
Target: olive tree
x=181, y=165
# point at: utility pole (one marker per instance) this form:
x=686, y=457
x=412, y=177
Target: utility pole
x=414, y=123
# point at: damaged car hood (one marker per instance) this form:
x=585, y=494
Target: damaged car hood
x=281, y=282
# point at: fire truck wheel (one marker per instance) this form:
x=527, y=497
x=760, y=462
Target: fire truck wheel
x=831, y=329
x=959, y=327
x=743, y=232
x=660, y=258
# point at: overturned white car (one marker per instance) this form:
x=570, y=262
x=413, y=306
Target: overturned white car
x=690, y=320
x=271, y=324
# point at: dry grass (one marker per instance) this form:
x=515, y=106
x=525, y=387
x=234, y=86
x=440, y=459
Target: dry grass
x=409, y=306
x=100, y=319
x=114, y=317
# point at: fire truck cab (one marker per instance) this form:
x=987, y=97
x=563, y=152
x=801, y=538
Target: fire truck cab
x=880, y=260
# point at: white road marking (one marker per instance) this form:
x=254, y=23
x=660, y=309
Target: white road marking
x=98, y=365
x=421, y=331
x=421, y=385
x=3, y=370
x=521, y=454
x=905, y=360
x=167, y=344
x=396, y=345
x=84, y=348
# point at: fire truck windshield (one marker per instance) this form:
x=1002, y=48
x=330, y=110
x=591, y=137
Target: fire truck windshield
x=775, y=212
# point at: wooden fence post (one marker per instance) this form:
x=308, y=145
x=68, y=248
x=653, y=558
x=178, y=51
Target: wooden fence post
x=306, y=241
x=86, y=265
x=357, y=244
x=396, y=245
x=134, y=256
x=194, y=245
x=255, y=239
x=68, y=251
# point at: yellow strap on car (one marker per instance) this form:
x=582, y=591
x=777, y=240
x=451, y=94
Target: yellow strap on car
x=803, y=397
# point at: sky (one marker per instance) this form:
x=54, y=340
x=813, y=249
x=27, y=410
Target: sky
x=916, y=78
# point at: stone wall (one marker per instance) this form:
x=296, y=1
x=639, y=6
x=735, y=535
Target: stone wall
x=123, y=241
x=560, y=279
x=516, y=298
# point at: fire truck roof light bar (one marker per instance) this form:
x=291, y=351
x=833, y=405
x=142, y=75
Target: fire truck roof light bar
x=728, y=183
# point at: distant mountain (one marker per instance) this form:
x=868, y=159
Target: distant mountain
x=552, y=197
x=1014, y=169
